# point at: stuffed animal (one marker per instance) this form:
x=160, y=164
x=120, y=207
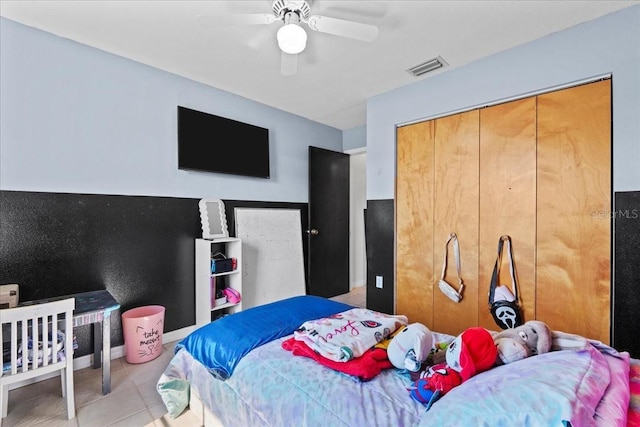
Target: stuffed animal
x=434, y=383
x=410, y=346
x=533, y=337
x=472, y=352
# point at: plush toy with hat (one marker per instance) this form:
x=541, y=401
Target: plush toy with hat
x=410, y=346
x=472, y=352
x=531, y=338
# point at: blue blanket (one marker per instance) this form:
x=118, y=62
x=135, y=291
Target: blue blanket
x=221, y=344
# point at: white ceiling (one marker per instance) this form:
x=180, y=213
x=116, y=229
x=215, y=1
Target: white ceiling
x=335, y=75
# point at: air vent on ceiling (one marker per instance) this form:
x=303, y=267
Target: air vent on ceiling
x=425, y=67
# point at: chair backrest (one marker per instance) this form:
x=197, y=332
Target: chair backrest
x=37, y=333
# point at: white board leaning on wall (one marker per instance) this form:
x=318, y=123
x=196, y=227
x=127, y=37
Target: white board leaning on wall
x=272, y=256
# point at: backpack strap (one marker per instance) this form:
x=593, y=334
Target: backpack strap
x=456, y=251
x=496, y=270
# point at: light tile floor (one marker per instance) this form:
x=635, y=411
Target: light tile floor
x=133, y=401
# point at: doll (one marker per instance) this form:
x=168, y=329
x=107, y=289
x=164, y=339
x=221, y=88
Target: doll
x=472, y=352
x=410, y=346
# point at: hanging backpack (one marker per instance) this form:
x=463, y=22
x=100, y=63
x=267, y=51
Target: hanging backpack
x=503, y=304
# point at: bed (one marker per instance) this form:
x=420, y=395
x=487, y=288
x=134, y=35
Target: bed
x=235, y=372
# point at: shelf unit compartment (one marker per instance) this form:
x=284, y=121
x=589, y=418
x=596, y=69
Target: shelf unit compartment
x=205, y=293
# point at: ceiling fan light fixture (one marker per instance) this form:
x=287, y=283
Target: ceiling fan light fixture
x=292, y=38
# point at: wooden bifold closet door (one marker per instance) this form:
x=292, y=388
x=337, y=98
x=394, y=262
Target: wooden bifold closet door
x=414, y=222
x=537, y=169
x=573, y=263
x=508, y=199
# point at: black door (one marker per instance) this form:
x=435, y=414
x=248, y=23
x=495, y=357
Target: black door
x=328, y=232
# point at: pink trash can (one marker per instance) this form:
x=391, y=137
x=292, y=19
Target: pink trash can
x=142, y=330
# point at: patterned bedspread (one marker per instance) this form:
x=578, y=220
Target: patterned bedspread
x=634, y=388
x=586, y=388
x=270, y=387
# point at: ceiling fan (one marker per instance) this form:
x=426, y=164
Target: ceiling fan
x=291, y=37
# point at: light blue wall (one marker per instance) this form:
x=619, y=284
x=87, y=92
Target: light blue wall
x=354, y=138
x=610, y=44
x=80, y=120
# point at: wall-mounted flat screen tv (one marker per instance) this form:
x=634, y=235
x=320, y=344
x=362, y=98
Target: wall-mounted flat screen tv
x=217, y=144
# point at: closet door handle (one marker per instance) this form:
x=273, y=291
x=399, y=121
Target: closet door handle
x=313, y=232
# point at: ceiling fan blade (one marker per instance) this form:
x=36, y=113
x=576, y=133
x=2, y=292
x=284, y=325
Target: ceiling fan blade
x=341, y=27
x=209, y=21
x=288, y=64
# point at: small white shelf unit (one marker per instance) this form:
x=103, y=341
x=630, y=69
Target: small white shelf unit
x=206, y=249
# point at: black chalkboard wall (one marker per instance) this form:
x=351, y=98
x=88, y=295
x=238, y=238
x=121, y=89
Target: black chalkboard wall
x=378, y=225
x=142, y=250
x=626, y=295
x=139, y=248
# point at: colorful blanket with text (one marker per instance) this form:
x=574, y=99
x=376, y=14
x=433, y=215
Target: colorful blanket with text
x=349, y=334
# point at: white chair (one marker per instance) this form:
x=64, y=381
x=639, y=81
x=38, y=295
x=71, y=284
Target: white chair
x=38, y=325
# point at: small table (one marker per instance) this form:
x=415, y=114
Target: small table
x=94, y=307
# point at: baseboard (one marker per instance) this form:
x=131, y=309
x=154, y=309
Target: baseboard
x=116, y=353
x=358, y=284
